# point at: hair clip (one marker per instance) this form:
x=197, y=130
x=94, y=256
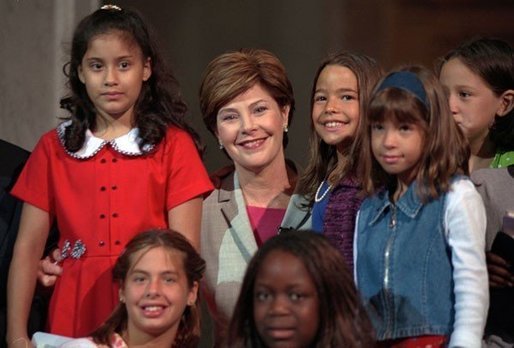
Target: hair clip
x=110, y=7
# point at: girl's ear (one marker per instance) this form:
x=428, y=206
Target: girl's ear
x=506, y=102
x=147, y=69
x=121, y=295
x=193, y=294
x=81, y=74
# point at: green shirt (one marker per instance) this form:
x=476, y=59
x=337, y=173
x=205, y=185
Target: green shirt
x=502, y=159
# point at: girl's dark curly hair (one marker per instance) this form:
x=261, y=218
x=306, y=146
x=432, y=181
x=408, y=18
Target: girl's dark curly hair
x=160, y=103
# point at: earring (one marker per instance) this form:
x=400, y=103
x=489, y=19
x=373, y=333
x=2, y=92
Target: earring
x=220, y=144
x=286, y=129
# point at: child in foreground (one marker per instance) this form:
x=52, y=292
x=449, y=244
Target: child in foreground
x=158, y=274
x=298, y=292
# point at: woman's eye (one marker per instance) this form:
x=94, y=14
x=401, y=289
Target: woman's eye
x=260, y=109
x=228, y=117
x=464, y=94
x=124, y=65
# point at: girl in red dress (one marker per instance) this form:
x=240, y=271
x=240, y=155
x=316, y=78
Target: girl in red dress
x=124, y=161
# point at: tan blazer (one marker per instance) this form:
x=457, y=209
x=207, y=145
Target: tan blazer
x=228, y=244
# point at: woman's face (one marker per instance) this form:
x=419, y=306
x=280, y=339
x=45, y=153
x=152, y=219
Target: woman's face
x=251, y=129
x=156, y=293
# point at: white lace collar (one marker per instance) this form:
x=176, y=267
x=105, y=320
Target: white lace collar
x=126, y=144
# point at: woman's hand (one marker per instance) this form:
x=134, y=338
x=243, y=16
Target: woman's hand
x=499, y=273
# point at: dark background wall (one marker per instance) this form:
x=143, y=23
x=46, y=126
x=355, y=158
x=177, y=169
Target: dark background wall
x=302, y=32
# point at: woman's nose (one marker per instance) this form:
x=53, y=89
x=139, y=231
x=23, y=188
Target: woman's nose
x=247, y=123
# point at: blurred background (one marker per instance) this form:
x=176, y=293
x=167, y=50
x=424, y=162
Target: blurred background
x=35, y=38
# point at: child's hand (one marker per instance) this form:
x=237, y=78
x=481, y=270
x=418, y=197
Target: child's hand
x=498, y=269
x=49, y=270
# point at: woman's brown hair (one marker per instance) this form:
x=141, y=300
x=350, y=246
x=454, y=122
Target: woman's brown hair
x=233, y=73
x=445, y=149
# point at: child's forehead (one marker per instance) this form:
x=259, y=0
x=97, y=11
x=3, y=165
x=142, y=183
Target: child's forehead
x=124, y=37
x=147, y=257
x=280, y=260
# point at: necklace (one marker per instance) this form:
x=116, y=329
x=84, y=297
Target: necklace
x=316, y=197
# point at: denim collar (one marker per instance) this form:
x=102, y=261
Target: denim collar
x=409, y=203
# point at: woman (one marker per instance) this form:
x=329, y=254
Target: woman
x=247, y=102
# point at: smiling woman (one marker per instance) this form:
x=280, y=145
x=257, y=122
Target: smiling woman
x=247, y=103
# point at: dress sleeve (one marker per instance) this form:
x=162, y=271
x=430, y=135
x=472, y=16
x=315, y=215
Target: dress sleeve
x=465, y=223
x=187, y=176
x=33, y=184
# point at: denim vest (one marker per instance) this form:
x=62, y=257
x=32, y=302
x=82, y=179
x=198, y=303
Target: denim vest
x=404, y=269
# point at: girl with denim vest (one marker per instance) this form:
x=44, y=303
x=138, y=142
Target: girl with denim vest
x=420, y=233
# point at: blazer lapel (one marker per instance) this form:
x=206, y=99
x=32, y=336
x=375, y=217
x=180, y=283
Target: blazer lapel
x=233, y=208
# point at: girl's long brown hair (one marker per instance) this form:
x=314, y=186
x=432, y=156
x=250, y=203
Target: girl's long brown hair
x=323, y=157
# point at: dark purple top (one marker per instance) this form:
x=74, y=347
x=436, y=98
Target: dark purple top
x=339, y=220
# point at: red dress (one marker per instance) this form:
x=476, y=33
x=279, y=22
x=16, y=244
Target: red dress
x=104, y=198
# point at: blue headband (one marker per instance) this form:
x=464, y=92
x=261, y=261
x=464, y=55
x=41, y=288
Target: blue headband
x=407, y=81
